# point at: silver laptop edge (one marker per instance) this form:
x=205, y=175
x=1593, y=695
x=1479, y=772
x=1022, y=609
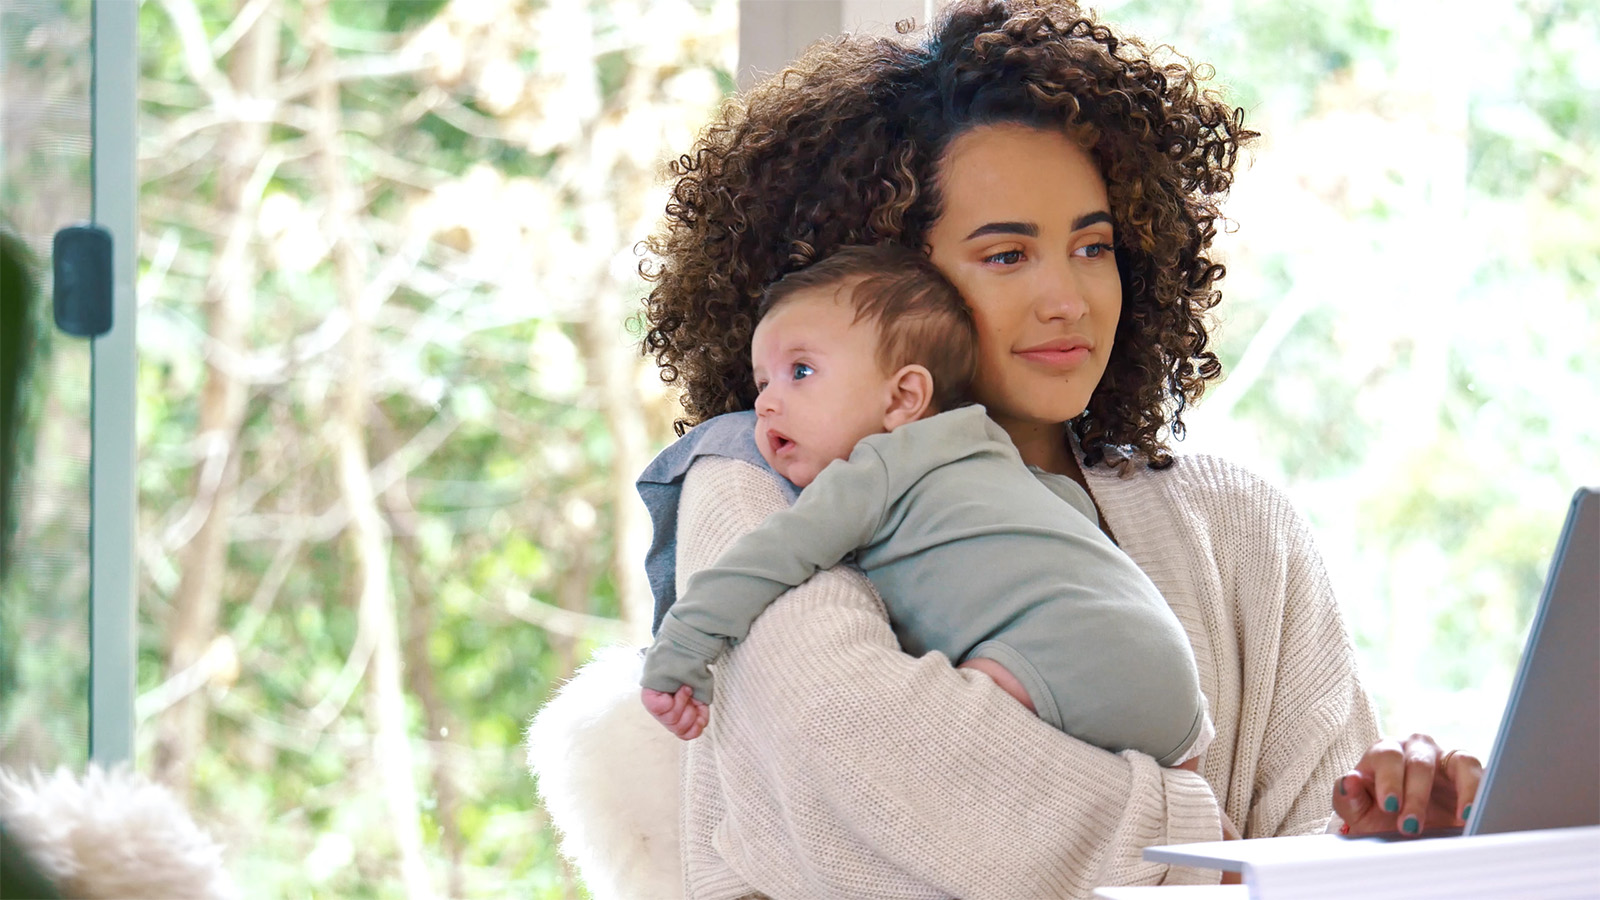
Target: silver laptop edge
x=1553, y=710
x=1551, y=721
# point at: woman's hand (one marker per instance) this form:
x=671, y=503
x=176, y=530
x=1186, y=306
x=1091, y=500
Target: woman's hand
x=1407, y=786
x=683, y=715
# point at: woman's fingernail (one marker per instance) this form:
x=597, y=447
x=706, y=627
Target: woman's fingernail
x=1391, y=803
x=1410, y=825
x=1467, y=813
x=1345, y=828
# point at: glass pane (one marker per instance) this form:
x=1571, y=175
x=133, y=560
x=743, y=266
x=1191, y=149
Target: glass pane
x=45, y=184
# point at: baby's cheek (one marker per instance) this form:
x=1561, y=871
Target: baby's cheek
x=801, y=474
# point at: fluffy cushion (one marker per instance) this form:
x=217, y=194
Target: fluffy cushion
x=113, y=834
x=604, y=767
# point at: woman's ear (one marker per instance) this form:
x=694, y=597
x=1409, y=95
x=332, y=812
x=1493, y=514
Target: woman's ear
x=910, y=394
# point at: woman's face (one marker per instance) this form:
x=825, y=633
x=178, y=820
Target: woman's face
x=1026, y=235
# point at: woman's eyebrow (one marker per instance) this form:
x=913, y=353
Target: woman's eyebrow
x=1028, y=229
x=1094, y=218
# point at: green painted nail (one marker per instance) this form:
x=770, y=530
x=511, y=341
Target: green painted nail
x=1410, y=825
x=1391, y=803
x=1467, y=813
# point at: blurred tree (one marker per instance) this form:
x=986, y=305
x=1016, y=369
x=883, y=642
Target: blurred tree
x=241, y=173
x=390, y=413
x=1410, y=316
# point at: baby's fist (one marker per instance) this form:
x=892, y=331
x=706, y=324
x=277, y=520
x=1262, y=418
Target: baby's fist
x=682, y=715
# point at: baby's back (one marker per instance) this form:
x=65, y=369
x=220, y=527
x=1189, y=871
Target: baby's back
x=978, y=558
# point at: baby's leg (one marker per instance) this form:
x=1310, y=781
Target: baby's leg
x=1003, y=677
x=1009, y=683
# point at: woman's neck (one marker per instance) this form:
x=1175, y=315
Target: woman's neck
x=1050, y=448
x=1045, y=446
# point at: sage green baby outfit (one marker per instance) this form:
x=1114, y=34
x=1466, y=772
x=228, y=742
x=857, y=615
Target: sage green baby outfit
x=975, y=556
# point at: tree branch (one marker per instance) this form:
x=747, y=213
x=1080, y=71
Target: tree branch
x=238, y=27
x=403, y=62
x=197, y=56
x=565, y=622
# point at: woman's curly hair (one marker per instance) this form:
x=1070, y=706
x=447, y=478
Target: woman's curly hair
x=844, y=146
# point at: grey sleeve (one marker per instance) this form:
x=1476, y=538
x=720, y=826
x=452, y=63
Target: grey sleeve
x=838, y=512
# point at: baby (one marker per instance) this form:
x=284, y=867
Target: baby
x=862, y=361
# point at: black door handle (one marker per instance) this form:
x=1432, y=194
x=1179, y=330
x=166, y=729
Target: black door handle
x=82, y=257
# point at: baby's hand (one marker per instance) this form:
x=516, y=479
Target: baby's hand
x=683, y=715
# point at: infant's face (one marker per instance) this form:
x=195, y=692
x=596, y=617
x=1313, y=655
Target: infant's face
x=821, y=387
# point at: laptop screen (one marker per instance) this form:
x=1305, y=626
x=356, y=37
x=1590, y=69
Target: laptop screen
x=1544, y=771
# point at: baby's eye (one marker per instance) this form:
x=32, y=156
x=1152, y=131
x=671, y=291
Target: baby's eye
x=801, y=370
x=761, y=386
x=1005, y=257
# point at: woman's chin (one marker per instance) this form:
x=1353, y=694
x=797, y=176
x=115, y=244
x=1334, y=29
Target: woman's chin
x=1036, y=401
x=1034, y=415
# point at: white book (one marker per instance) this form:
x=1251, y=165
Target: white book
x=1550, y=864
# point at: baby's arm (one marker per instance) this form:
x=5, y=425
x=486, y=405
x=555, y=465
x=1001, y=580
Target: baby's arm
x=835, y=514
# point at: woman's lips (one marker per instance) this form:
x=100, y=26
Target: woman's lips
x=1057, y=358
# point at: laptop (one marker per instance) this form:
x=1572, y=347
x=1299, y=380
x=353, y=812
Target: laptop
x=1544, y=770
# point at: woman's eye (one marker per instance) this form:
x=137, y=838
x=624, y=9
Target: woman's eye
x=801, y=370
x=1095, y=251
x=1005, y=257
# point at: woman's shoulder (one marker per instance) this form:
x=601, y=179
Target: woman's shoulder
x=1202, y=490
x=729, y=436
x=1195, y=477
x=1222, y=480
x=735, y=491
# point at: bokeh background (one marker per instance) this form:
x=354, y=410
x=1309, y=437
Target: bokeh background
x=391, y=405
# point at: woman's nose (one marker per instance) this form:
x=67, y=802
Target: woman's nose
x=1060, y=297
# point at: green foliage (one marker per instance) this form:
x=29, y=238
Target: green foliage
x=502, y=450
x=1267, y=53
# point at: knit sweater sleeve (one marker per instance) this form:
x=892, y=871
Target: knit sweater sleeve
x=1313, y=718
x=837, y=765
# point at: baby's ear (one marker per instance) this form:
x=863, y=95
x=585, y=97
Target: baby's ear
x=910, y=395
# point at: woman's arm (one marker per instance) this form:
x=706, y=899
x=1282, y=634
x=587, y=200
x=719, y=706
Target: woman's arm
x=1321, y=718
x=1282, y=656
x=837, y=764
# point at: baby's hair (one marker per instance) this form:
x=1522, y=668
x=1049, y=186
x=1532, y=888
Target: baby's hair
x=919, y=314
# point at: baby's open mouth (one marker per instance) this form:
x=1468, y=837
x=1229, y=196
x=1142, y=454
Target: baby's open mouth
x=778, y=442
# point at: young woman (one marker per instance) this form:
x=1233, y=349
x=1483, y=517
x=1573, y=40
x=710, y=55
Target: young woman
x=1067, y=181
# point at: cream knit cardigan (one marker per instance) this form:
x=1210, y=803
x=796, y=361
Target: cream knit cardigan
x=837, y=766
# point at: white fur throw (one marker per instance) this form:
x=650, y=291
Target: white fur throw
x=608, y=775
x=112, y=835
